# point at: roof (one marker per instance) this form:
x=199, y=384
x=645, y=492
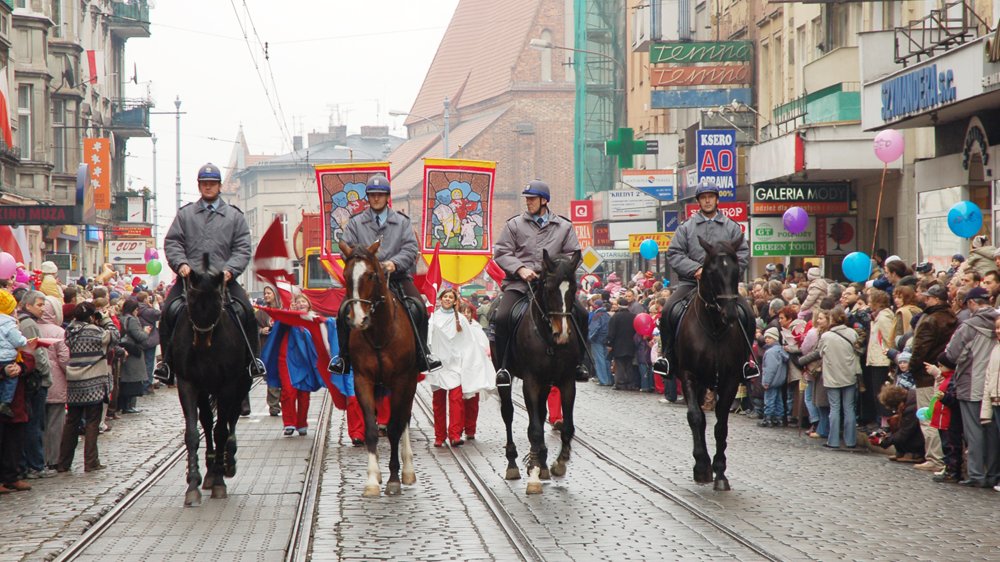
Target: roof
x=474, y=62
x=355, y=147
x=407, y=167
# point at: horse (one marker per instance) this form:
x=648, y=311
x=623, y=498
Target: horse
x=384, y=357
x=548, y=350
x=212, y=363
x=711, y=350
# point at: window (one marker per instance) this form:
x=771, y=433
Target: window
x=935, y=242
x=24, y=105
x=59, y=135
x=57, y=30
x=283, y=217
x=546, y=55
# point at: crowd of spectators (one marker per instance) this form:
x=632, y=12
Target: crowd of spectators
x=75, y=358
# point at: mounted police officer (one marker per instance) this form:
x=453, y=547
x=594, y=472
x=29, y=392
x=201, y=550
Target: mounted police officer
x=398, y=255
x=208, y=226
x=518, y=251
x=686, y=257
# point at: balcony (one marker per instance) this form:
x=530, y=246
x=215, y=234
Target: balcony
x=130, y=117
x=8, y=3
x=9, y=154
x=129, y=19
x=834, y=104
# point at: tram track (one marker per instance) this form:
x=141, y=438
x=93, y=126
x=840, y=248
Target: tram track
x=516, y=535
x=302, y=525
x=662, y=491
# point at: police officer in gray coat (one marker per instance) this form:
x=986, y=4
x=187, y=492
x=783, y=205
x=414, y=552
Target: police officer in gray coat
x=518, y=251
x=207, y=226
x=398, y=255
x=686, y=256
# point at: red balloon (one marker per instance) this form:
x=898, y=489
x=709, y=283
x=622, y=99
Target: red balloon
x=643, y=324
x=136, y=281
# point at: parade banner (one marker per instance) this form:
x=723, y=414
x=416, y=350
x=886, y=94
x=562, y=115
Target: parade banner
x=342, y=195
x=458, y=216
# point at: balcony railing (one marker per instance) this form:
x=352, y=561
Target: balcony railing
x=839, y=102
x=954, y=24
x=11, y=153
x=135, y=10
x=130, y=114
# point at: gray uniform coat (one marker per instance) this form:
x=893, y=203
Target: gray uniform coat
x=222, y=233
x=522, y=240
x=399, y=244
x=686, y=255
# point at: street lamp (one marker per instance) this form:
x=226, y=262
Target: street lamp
x=737, y=105
x=542, y=44
x=177, y=185
x=444, y=131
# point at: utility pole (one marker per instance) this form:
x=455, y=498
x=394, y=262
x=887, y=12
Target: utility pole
x=177, y=104
x=156, y=206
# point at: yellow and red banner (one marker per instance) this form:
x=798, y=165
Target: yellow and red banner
x=458, y=215
x=97, y=155
x=342, y=195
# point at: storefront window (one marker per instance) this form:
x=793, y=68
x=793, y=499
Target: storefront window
x=935, y=241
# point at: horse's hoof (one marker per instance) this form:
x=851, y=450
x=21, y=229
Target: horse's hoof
x=543, y=474
x=533, y=488
x=230, y=470
x=409, y=478
x=393, y=488
x=722, y=485
x=371, y=492
x=558, y=468
x=702, y=477
x=512, y=474
x=207, y=484
x=192, y=498
x=219, y=492
x=379, y=478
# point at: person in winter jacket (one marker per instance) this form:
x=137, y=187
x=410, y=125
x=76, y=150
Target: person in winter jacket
x=981, y=256
x=50, y=327
x=818, y=288
x=597, y=335
x=946, y=419
x=968, y=352
x=10, y=340
x=841, y=368
x=904, y=428
x=774, y=377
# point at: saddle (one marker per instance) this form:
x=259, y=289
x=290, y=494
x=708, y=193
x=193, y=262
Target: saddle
x=517, y=314
x=674, y=316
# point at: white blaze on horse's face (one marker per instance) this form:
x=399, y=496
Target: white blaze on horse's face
x=358, y=318
x=562, y=334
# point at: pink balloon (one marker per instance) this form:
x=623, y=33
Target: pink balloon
x=795, y=219
x=21, y=276
x=151, y=254
x=889, y=145
x=8, y=265
x=643, y=324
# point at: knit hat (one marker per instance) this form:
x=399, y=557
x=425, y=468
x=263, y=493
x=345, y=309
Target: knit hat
x=904, y=357
x=772, y=333
x=49, y=267
x=813, y=273
x=979, y=241
x=7, y=303
x=891, y=259
x=960, y=258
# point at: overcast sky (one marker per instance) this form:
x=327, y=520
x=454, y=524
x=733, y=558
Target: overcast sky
x=364, y=57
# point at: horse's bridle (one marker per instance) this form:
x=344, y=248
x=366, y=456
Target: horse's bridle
x=547, y=315
x=714, y=303
x=222, y=302
x=372, y=304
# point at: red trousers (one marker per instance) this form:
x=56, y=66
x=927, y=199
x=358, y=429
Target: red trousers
x=356, y=418
x=471, y=413
x=294, y=402
x=555, y=406
x=444, y=401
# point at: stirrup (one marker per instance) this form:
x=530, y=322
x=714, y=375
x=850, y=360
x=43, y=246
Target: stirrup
x=337, y=366
x=750, y=370
x=582, y=374
x=433, y=363
x=162, y=372
x=503, y=378
x=662, y=367
x=257, y=368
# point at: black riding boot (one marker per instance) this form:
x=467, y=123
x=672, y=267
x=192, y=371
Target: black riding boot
x=666, y=360
x=162, y=371
x=340, y=364
x=585, y=367
x=426, y=361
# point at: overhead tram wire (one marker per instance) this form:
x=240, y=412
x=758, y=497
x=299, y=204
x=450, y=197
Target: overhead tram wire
x=282, y=126
x=267, y=60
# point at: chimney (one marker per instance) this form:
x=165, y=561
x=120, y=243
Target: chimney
x=338, y=134
x=377, y=131
x=297, y=143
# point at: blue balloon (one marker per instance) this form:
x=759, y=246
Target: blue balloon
x=965, y=219
x=857, y=266
x=924, y=414
x=648, y=249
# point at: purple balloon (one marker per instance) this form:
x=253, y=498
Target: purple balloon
x=795, y=219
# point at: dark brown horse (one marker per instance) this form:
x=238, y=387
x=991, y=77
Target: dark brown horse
x=545, y=351
x=211, y=361
x=711, y=350
x=384, y=358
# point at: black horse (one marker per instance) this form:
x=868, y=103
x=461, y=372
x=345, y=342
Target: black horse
x=544, y=353
x=211, y=361
x=711, y=350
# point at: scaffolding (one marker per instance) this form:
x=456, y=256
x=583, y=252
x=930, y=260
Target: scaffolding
x=600, y=86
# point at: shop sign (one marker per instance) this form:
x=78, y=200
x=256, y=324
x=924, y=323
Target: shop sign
x=836, y=236
x=688, y=180
x=769, y=238
x=669, y=221
x=675, y=99
x=39, y=214
x=602, y=236
x=614, y=255
x=584, y=234
x=976, y=141
x=65, y=262
x=662, y=240
x=131, y=231
x=815, y=198
x=127, y=251
x=659, y=184
x=581, y=211
x=629, y=204
x=715, y=75
x=717, y=160
x=683, y=52
x=733, y=211
x=920, y=90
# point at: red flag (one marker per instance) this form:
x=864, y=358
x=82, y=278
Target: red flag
x=5, y=130
x=495, y=271
x=314, y=325
x=270, y=261
x=432, y=281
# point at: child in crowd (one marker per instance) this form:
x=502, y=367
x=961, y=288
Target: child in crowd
x=904, y=427
x=774, y=377
x=10, y=339
x=904, y=378
x=949, y=427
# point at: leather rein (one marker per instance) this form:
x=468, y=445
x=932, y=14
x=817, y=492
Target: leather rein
x=201, y=330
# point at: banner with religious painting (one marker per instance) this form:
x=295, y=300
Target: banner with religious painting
x=342, y=195
x=458, y=215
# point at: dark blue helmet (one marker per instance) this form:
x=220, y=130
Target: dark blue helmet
x=706, y=187
x=537, y=188
x=377, y=184
x=210, y=172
